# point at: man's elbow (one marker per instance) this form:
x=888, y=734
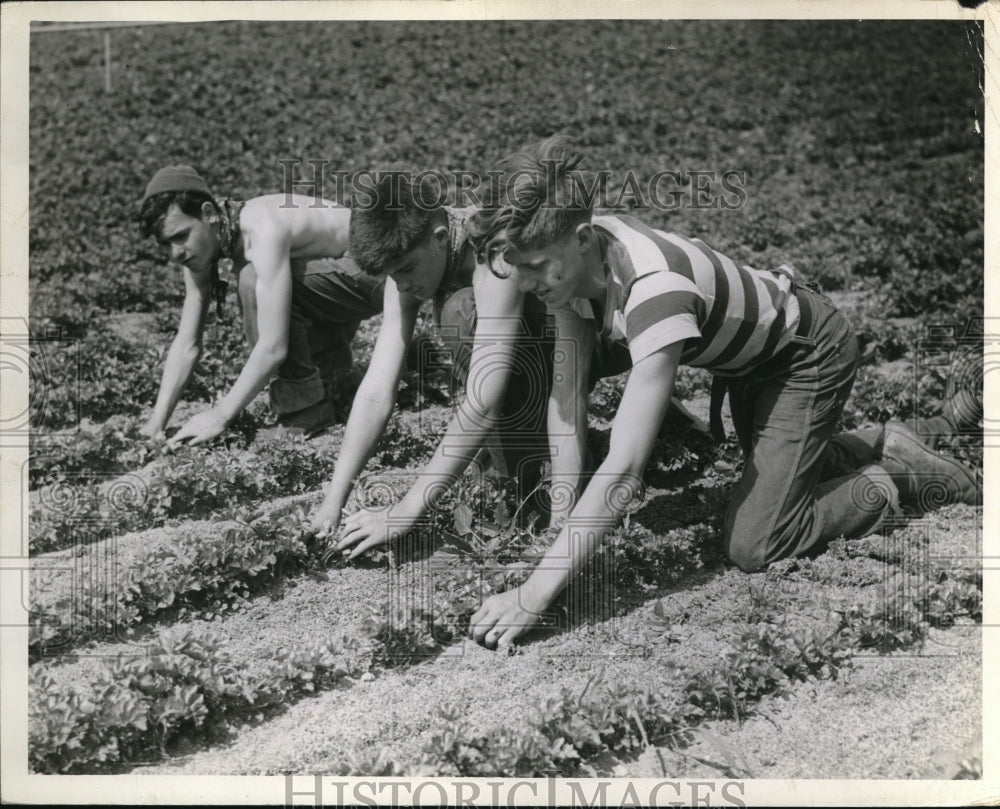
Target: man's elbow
x=274, y=354
x=490, y=408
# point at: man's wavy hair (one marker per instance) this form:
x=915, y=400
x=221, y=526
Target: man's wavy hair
x=155, y=209
x=395, y=219
x=541, y=194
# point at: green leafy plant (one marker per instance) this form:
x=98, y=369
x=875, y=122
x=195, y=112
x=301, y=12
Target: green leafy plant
x=212, y=569
x=186, y=685
x=189, y=482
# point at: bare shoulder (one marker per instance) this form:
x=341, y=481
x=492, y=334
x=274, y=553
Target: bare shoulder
x=312, y=227
x=290, y=207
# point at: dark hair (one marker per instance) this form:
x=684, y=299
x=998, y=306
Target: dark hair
x=395, y=221
x=154, y=209
x=540, y=196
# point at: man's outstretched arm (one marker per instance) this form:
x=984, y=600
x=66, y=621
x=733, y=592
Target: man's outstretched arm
x=503, y=617
x=267, y=245
x=567, y=411
x=184, y=353
x=498, y=326
x=372, y=406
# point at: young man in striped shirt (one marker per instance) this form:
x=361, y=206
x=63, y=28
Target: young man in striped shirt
x=786, y=355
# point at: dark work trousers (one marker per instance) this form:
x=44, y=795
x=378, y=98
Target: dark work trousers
x=802, y=486
x=330, y=298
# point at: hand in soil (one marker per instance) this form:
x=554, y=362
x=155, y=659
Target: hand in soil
x=325, y=520
x=202, y=427
x=369, y=528
x=503, y=617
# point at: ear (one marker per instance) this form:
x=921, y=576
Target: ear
x=208, y=212
x=585, y=236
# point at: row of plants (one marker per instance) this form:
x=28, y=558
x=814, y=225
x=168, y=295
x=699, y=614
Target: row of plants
x=187, y=686
x=89, y=453
x=213, y=571
x=208, y=564
x=105, y=372
x=95, y=452
x=115, y=585
x=768, y=657
x=211, y=567
x=570, y=733
x=187, y=482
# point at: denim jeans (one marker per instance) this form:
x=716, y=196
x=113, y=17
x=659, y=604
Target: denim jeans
x=330, y=298
x=801, y=485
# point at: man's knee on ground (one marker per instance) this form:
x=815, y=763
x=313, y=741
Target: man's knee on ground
x=746, y=558
x=745, y=548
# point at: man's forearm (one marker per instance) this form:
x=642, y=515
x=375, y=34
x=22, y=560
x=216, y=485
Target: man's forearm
x=365, y=425
x=180, y=364
x=465, y=436
x=594, y=516
x=568, y=458
x=261, y=365
x=568, y=450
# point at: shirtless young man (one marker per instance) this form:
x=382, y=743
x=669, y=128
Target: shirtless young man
x=301, y=299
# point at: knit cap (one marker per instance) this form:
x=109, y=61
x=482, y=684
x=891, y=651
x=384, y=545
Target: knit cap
x=175, y=178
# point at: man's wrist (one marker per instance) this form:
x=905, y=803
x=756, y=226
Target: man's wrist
x=333, y=503
x=542, y=587
x=412, y=506
x=226, y=409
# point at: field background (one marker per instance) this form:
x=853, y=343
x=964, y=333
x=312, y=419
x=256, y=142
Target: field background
x=181, y=625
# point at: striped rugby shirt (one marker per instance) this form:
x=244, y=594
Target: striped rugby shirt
x=664, y=288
